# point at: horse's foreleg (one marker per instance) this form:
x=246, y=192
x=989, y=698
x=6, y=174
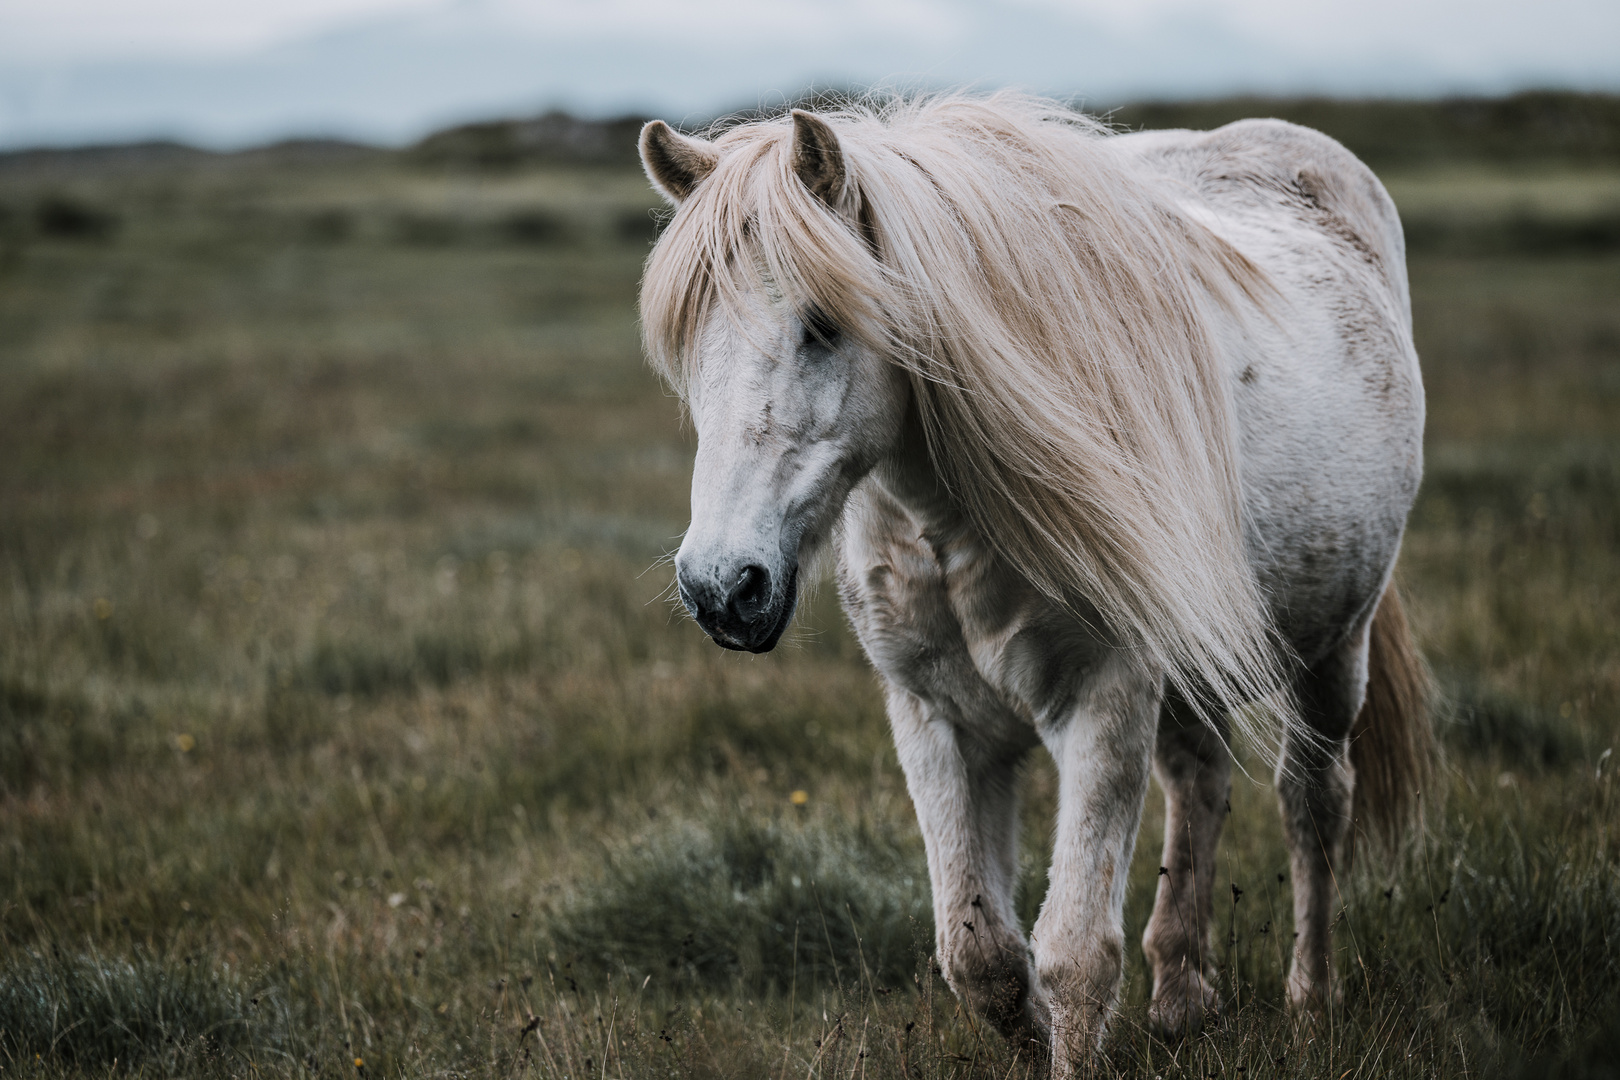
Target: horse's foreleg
x=1315, y=785
x=965, y=794
x=1193, y=766
x=1102, y=750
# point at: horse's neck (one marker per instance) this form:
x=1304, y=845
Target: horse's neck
x=909, y=477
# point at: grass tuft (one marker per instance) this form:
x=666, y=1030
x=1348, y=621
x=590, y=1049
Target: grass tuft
x=94, y=1010
x=756, y=902
x=1485, y=723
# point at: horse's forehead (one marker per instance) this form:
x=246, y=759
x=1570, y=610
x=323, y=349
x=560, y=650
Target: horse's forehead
x=752, y=303
x=740, y=329
x=755, y=275
x=734, y=348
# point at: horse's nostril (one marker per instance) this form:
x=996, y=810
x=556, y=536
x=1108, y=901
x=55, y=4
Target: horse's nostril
x=752, y=589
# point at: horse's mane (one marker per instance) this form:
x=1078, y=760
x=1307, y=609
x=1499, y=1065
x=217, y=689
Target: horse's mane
x=1055, y=311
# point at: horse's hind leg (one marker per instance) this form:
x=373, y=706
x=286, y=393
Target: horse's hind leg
x=962, y=775
x=1315, y=785
x=1193, y=766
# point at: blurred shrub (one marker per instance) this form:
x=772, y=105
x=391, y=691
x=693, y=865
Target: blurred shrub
x=25, y=723
x=428, y=230
x=1484, y=723
x=65, y=217
x=535, y=226
x=42, y=736
x=1518, y=234
x=1593, y=1054
x=370, y=669
x=636, y=227
x=1525, y=912
x=294, y=718
x=761, y=901
x=329, y=226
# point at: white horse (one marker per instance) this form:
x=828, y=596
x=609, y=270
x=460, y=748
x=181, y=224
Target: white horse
x=1114, y=436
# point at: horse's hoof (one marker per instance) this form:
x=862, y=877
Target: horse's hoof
x=1184, y=1006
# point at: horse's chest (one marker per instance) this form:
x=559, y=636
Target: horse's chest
x=944, y=618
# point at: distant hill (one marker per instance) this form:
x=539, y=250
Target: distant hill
x=553, y=137
x=1553, y=126
x=1542, y=125
x=165, y=154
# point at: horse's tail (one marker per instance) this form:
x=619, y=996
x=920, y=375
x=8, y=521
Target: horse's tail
x=1392, y=747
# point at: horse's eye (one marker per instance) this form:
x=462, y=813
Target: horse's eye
x=818, y=329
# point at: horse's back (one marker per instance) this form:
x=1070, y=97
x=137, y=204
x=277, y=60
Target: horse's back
x=1262, y=169
x=1325, y=383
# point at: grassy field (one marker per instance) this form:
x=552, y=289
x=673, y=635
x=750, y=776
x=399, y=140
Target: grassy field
x=347, y=728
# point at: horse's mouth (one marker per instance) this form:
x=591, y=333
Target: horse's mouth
x=764, y=644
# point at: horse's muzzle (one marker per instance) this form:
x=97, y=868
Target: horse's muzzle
x=746, y=611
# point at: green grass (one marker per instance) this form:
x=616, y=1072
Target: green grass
x=345, y=716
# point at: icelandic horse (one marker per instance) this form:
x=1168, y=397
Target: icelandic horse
x=1113, y=437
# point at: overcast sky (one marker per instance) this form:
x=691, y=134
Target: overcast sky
x=230, y=71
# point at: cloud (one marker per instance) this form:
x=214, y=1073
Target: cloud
x=390, y=70
x=69, y=31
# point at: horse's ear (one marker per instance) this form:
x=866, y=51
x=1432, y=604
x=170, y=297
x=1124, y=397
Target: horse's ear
x=675, y=163
x=817, y=158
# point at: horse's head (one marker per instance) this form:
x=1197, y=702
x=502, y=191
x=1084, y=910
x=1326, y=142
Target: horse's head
x=791, y=409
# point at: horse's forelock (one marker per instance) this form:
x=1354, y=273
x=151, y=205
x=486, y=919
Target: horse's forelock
x=752, y=227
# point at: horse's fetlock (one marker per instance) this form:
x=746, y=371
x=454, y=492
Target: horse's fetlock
x=1312, y=990
x=991, y=974
x=1185, y=1000
x=1169, y=943
x=1082, y=996
x=1167, y=938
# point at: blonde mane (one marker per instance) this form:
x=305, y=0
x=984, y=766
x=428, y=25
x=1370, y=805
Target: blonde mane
x=1054, y=311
